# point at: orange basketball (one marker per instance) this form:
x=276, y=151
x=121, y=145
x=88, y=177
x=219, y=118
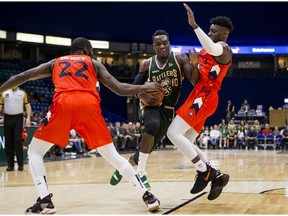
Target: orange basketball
x=157, y=98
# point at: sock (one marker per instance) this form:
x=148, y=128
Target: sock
x=130, y=174
x=41, y=186
x=141, y=169
x=200, y=166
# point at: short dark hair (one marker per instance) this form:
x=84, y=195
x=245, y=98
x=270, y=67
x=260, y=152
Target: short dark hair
x=80, y=43
x=159, y=32
x=223, y=21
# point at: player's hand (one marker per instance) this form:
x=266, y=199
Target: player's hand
x=193, y=57
x=191, y=19
x=153, y=86
x=28, y=122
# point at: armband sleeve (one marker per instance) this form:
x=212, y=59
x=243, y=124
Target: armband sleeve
x=214, y=49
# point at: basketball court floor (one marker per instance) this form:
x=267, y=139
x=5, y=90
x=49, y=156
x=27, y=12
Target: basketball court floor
x=258, y=185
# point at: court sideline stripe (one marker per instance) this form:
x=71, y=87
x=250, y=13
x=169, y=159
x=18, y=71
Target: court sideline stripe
x=183, y=204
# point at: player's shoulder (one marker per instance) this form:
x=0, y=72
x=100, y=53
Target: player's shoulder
x=181, y=57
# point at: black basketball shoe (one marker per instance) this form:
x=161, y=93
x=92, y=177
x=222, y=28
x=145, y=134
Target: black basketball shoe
x=42, y=206
x=203, y=178
x=217, y=185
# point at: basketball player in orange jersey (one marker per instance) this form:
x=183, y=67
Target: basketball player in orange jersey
x=213, y=62
x=76, y=105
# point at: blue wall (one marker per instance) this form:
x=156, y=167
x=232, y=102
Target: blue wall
x=266, y=91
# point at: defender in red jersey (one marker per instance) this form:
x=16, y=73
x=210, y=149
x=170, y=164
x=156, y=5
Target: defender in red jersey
x=213, y=62
x=76, y=105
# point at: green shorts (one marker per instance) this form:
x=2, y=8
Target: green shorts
x=166, y=115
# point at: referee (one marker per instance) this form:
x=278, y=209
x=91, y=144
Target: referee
x=13, y=101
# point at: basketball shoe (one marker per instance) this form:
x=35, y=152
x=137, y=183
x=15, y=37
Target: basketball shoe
x=145, y=182
x=42, y=206
x=116, y=178
x=151, y=201
x=217, y=185
x=202, y=179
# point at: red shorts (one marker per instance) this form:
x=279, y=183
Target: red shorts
x=80, y=111
x=198, y=107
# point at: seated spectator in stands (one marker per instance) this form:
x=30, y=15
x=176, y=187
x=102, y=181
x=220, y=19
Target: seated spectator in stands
x=120, y=136
x=284, y=139
x=267, y=130
x=257, y=126
x=276, y=131
x=230, y=111
x=204, y=137
x=251, y=138
x=245, y=106
x=75, y=142
x=222, y=123
x=241, y=126
x=241, y=138
x=232, y=136
x=214, y=137
x=223, y=138
x=128, y=137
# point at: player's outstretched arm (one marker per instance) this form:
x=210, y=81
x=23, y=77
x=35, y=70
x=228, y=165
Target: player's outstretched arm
x=122, y=89
x=39, y=72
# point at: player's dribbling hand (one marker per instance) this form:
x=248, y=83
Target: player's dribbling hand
x=191, y=19
x=153, y=86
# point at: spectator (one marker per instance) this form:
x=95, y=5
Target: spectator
x=75, y=142
x=120, y=136
x=251, y=138
x=230, y=111
x=257, y=126
x=232, y=136
x=284, y=139
x=214, y=137
x=267, y=130
x=245, y=106
x=241, y=137
x=223, y=138
x=276, y=131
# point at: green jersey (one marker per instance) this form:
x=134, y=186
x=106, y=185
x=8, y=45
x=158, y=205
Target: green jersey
x=169, y=76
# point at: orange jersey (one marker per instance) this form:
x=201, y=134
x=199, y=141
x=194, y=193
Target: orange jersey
x=74, y=73
x=203, y=100
x=76, y=104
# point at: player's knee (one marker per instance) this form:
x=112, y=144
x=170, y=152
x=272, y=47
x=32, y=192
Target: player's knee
x=153, y=127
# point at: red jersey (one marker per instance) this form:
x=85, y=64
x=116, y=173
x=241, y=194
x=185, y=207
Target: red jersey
x=76, y=104
x=74, y=73
x=203, y=100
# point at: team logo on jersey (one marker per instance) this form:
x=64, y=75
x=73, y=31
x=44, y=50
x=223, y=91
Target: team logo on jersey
x=170, y=64
x=7, y=95
x=166, y=85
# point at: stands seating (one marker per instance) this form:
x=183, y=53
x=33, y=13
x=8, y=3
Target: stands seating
x=261, y=141
x=270, y=141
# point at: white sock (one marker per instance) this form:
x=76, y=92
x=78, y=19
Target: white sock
x=200, y=166
x=41, y=186
x=141, y=169
x=125, y=168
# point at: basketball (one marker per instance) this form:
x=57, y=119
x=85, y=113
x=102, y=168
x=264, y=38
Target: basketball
x=157, y=98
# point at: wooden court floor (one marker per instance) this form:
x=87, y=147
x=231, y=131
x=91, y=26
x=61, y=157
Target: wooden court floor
x=258, y=185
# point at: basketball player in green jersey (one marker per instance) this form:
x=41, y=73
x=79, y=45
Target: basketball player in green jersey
x=168, y=69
